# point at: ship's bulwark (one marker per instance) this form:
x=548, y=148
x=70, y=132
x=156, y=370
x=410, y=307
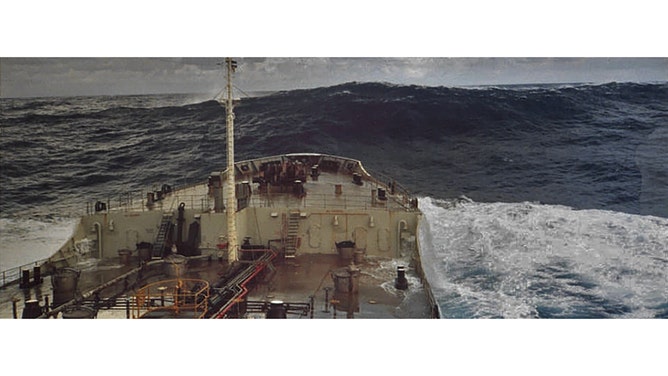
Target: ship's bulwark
x=587, y=147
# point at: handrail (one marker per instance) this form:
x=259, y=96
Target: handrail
x=346, y=201
x=326, y=201
x=12, y=275
x=192, y=201
x=127, y=200
x=179, y=294
x=382, y=179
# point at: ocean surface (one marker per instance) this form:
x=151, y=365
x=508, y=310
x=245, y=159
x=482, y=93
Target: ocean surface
x=542, y=201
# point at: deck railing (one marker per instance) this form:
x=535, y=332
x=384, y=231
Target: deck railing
x=328, y=201
x=14, y=274
x=175, y=296
x=133, y=201
x=137, y=200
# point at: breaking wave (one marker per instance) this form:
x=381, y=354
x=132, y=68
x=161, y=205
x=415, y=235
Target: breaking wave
x=527, y=260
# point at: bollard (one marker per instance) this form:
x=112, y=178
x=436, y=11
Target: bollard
x=37, y=275
x=25, y=279
x=32, y=310
x=276, y=310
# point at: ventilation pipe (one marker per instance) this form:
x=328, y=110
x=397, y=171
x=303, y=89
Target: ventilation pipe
x=98, y=231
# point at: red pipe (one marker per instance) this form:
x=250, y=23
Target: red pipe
x=258, y=269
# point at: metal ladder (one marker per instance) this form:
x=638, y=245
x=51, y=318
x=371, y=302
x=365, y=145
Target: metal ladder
x=291, y=239
x=159, y=244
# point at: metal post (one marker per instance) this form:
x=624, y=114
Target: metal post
x=127, y=307
x=162, y=295
x=326, y=299
x=311, y=304
x=15, y=311
x=46, y=304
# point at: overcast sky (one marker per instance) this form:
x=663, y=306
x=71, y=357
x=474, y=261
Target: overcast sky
x=606, y=43
x=31, y=77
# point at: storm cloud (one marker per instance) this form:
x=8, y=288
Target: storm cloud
x=35, y=77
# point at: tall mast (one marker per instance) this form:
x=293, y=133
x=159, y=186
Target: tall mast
x=232, y=242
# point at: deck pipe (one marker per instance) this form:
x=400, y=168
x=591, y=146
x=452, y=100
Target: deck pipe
x=326, y=310
x=179, y=224
x=98, y=232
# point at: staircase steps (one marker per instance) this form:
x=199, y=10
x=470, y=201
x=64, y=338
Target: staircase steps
x=293, y=232
x=160, y=239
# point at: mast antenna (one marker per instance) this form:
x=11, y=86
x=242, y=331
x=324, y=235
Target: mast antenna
x=231, y=204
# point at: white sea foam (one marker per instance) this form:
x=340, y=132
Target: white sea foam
x=25, y=240
x=534, y=260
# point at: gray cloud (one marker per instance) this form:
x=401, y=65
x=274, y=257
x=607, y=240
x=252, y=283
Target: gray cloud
x=20, y=77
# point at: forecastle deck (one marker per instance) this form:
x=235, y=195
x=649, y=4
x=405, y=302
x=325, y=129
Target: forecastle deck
x=318, y=213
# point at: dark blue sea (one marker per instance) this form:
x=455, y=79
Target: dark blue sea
x=542, y=201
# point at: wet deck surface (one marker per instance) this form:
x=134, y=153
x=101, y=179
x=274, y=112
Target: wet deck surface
x=302, y=280
x=310, y=275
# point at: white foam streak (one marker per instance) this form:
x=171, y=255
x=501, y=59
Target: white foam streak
x=533, y=260
x=23, y=241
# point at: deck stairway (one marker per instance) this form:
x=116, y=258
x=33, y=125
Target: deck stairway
x=159, y=244
x=293, y=230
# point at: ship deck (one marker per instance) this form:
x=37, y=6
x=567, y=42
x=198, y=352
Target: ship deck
x=319, y=193
x=304, y=281
x=307, y=279
x=311, y=276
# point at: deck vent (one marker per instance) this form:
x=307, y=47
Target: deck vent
x=401, y=282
